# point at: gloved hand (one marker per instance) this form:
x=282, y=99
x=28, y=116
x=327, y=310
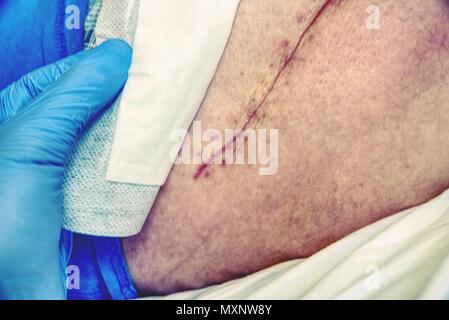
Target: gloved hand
x=41, y=117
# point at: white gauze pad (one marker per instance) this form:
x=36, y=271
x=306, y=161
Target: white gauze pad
x=119, y=164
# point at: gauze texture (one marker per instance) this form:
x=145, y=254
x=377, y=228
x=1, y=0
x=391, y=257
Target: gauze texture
x=91, y=204
x=116, y=170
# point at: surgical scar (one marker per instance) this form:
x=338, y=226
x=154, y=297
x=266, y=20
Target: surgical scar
x=257, y=98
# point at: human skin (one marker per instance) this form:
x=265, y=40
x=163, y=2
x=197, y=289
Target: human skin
x=363, y=121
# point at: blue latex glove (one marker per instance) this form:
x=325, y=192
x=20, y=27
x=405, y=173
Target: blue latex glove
x=41, y=117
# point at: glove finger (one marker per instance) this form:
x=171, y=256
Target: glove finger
x=20, y=93
x=62, y=111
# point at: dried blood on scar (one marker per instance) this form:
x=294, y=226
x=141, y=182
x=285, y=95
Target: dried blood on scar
x=286, y=61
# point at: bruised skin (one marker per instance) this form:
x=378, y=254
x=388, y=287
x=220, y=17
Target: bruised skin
x=363, y=132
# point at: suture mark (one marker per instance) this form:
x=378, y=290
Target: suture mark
x=287, y=58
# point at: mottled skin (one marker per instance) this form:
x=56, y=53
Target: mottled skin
x=363, y=132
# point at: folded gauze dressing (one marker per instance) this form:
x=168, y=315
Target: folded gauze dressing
x=119, y=164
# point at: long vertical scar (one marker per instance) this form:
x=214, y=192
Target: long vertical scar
x=260, y=95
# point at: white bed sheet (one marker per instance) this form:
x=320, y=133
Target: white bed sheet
x=405, y=256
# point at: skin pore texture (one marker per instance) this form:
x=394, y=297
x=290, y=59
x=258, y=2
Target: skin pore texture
x=362, y=114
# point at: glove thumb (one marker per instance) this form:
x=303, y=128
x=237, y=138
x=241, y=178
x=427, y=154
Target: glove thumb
x=52, y=121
